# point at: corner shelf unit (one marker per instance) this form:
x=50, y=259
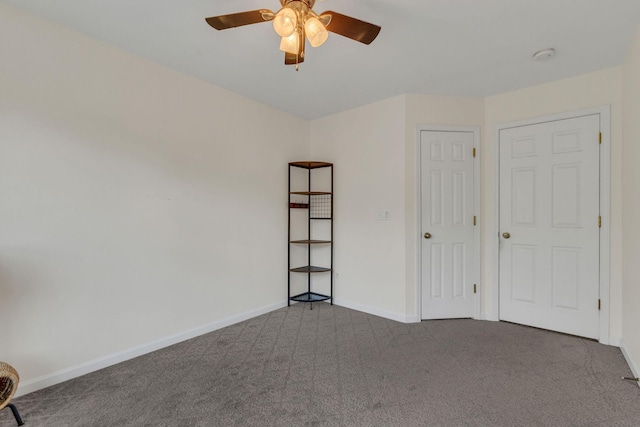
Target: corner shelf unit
x=319, y=207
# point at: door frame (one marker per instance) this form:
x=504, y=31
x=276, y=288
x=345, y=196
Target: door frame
x=475, y=130
x=605, y=205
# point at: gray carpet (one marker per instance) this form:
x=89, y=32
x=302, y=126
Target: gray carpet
x=338, y=367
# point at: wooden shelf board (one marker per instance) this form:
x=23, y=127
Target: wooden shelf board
x=309, y=269
x=305, y=164
x=310, y=193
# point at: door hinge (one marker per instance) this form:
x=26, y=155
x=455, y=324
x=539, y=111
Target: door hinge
x=599, y=222
x=474, y=220
x=475, y=288
x=474, y=152
x=600, y=138
x=599, y=304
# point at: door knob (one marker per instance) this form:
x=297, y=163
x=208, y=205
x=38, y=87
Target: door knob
x=506, y=235
x=427, y=235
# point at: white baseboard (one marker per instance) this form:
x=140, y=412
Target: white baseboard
x=635, y=368
x=613, y=341
x=47, y=380
x=376, y=312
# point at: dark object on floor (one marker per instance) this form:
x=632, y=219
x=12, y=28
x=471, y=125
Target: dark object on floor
x=8, y=385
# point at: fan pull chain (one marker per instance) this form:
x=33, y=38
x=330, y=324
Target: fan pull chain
x=300, y=31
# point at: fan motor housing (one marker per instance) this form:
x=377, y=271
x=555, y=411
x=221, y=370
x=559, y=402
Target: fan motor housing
x=308, y=3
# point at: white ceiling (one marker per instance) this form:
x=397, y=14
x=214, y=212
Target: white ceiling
x=443, y=47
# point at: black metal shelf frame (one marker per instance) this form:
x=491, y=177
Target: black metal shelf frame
x=319, y=207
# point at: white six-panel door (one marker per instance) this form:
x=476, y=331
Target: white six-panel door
x=447, y=215
x=549, y=232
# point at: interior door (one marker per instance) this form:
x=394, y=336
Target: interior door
x=447, y=223
x=549, y=225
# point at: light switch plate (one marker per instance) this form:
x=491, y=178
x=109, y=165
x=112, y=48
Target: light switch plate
x=383, y=215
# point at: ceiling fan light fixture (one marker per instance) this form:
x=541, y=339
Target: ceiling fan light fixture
x=295, y=22
x=290, y=44
x=316, y=32
x=285, y=22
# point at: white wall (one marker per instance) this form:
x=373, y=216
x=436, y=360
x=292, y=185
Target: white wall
x=590, y=90
x=366, y=145
x=136, y=203
x=631, y=205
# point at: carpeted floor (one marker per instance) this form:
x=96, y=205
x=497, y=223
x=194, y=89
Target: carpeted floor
x=337, y=367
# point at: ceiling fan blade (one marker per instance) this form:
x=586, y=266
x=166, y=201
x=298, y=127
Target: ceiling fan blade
x=292, y=58
x=352, y=28
x=233, y=20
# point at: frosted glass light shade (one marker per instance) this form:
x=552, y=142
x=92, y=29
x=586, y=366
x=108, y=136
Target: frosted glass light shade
x=316, y=32
x=290, y=44
x=285, y=22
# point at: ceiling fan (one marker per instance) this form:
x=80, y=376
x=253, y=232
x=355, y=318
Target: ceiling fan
x=295, y=20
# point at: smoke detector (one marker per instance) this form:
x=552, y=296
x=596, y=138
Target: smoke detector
x=544, y=54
